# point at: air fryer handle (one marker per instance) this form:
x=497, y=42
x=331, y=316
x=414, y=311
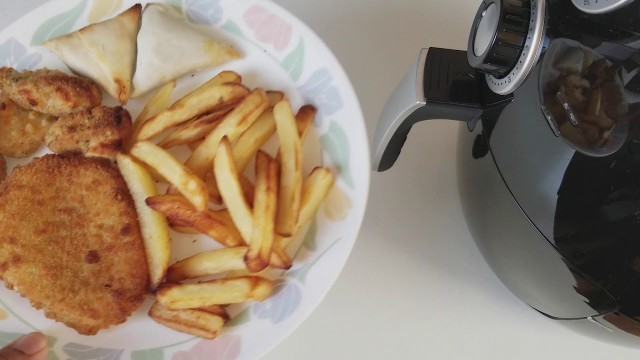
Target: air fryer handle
x=439, y=85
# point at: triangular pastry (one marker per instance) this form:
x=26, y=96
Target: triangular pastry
x=104, y=52
x=169, y=46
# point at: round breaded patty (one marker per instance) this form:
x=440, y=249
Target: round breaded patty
x=70, y=241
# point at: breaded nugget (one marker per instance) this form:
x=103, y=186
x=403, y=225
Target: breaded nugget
x=22, y=131
x=3, y=168
x=50, y=92
x=70, y=241
x=96, y=132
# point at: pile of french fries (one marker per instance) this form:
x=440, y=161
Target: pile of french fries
x=225, y=124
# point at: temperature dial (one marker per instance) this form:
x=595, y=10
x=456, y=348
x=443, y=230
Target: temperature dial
x=505, y=41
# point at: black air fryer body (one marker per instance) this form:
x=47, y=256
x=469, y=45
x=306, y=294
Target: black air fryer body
x=563, y=232
x=556, y=215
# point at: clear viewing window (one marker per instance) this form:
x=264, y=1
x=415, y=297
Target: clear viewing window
x=590, y=97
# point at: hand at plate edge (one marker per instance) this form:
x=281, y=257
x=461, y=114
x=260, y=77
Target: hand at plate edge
x=32, y=346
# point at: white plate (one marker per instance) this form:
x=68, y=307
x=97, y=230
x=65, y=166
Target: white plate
x=280, y=53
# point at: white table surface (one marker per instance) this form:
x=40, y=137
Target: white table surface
x=416, y=286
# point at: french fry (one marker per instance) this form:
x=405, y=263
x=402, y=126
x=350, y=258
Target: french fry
x=164, y=94
x=181, y=213
x=304, y=119
x=226, y=175
x=244, y=150
x=218, y=310
x=280, y=259
x=194, y=145
x=208, y=263
x=290, y=169
x=224, y=217
x=214, y=292
x=153, y=226
x=214, y=192
x=156, y=104
x=247, y=189
x=314, y=190
x=232, y=126
x=248, y=144
x=194, y=130
x=264, y=213
x=274, y=96
x=224, y=77
x=197, y=322
x=193, y=104
x=178, y=175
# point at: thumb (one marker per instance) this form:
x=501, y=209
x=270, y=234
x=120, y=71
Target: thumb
x=29, y=347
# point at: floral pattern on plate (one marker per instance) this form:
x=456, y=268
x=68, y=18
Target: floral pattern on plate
x=318, y=79
x=15, y=55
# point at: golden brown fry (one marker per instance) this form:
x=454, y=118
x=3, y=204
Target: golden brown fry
x=189, y=185
x=158, y=103
x=290, y=169
x=244, y=150
x=197, y=322
x=314, y=190
x=194, y=145
x=248, y=144
x=274, y=97
x=214, y=292
x=224, y=217
x=193, y=104
x=180, y=212
x=214, y=192
x=280, y=259
x=304, y=119
x=153, y=225
x=208, y=263
x=224, y=77
x=264, y=213
x=194, y=130
x=217, y=310
x=232, y=126
x=247, y=189
x=226, y=176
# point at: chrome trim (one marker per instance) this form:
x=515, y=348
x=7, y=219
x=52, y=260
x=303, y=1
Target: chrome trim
x=529, y=55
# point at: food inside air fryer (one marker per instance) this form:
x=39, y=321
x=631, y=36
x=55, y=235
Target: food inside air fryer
x=586, y=98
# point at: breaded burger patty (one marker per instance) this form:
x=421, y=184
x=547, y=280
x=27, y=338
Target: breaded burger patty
x=70, y=241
